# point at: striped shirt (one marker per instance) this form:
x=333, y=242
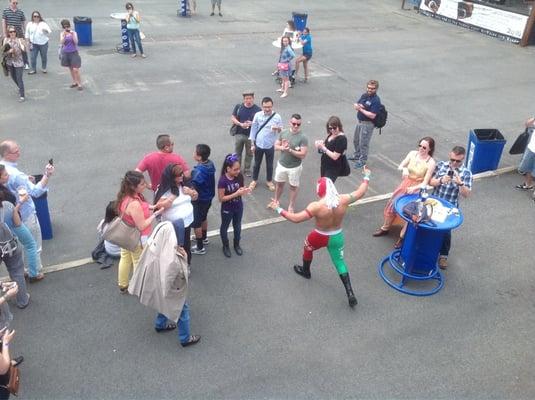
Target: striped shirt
x=15, y=18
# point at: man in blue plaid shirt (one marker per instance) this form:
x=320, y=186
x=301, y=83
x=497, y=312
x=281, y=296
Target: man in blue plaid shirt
x=449, y=180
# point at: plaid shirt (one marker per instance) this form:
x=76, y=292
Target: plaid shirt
x=450, y=191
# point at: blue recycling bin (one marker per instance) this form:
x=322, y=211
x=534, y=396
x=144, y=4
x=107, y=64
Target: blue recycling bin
x=484, y=150
x=416, y=261
x=82, y=26
x=43, y=215
x=300, y=20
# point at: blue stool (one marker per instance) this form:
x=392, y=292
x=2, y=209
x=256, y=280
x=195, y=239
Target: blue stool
x=417, y=258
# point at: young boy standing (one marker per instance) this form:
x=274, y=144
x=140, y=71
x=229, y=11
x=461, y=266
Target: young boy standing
x=203, y=180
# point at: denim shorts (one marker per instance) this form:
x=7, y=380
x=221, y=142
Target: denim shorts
x=528, y=163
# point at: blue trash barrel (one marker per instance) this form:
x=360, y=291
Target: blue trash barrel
x=300, y=20
x=82, y=26
x=484, y=150
x=43, y=215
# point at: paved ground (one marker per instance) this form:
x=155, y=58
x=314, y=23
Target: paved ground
x=266, y=332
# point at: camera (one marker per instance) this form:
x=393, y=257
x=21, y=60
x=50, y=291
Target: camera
x=450, y=173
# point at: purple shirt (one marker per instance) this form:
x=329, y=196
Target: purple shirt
x=68, y=44
x=231, y=186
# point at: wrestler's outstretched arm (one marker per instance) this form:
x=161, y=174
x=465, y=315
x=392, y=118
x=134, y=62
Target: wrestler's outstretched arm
x=361, y=190
x=301, y=216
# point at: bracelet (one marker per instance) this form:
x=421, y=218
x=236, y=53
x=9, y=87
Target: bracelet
x=279, y=210
x=366, y=179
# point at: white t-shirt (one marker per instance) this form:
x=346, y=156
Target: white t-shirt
x=531, y=144
x=37, y=33
x=180, y=209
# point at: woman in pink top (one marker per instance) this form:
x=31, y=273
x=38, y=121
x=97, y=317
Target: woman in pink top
x=135, y=211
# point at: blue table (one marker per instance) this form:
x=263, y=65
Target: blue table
x=417, y=258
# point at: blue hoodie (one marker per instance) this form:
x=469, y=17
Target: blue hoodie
x=203, y=180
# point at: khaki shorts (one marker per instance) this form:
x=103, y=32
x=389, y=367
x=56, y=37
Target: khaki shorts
x=290, y=175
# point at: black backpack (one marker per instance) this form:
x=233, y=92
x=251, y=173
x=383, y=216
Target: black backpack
x=8, y=243
x=380, y=117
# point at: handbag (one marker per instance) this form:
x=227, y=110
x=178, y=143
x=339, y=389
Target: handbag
x=283, y=66
x=419, y=212
x=234, y=128
x=122, y=234
x=345, y=169
x=14, y=381
x=521, y=142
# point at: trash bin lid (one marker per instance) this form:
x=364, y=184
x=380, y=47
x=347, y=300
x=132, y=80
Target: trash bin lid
x=299, y=14
x=81, y=20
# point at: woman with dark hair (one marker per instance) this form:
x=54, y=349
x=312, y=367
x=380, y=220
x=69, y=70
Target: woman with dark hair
x=37, y=32
x=306, y=41
x=417, y=169
x=106, y=251
x=332, y=149
x=284, y=65
x=175, y=201
x=135, y=211
x=230, y=190
x=69, y=53
x=12, y=51
x=133, y=21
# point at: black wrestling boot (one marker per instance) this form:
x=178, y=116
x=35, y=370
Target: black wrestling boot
x=303, y=270
x=349, y=290
x=226, y=249
x=237, y=247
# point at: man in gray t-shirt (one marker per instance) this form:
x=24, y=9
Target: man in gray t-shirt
x=293, y=145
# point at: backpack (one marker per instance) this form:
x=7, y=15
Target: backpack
x=380, y=118
x=8, y=243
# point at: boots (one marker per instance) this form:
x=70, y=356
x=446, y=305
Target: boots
x=237, y=247
x=226, y=249
x=304, y=270
x=349, y=290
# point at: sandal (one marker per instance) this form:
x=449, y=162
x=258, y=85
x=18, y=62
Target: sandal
x=398, y=243
x=192, y=340
x=270, y=186
x=252, y=185
x=73, y=85
x=169, y=326
x=524, y=187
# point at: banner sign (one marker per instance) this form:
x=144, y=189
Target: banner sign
x=491, y=21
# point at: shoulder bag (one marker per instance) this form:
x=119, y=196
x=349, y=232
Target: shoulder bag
x=234, y=128
x=14, y=381
x=122, y=234
x=521, y=142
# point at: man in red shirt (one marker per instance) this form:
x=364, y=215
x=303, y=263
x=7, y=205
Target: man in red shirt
x=154, y=163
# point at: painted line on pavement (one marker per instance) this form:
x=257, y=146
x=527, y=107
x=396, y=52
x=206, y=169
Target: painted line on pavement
x=270, y=221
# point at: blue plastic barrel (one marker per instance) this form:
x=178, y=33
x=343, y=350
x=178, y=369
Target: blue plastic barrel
x=484, y=150
x=82, y=26
x=300, y=20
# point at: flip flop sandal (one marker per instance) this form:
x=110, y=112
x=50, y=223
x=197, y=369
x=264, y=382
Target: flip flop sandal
x=169, y=326
x=192, y=340
x=524, y=187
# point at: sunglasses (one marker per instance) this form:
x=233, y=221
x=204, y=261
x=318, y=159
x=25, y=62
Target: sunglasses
x=35, y=16
x=422, y=147
x=453, y=160
x=12, y=31
x=332, y=128
x=296, y=123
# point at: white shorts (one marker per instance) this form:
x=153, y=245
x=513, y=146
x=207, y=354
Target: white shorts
x=290, y=175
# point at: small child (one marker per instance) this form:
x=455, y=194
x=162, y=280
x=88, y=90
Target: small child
x=203, y=180
x=106, y=252
x=230, y=190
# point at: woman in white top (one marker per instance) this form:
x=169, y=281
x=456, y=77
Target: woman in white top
x=175, y=199
x=37, y=32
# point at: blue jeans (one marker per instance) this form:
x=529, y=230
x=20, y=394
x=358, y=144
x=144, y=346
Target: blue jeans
x=134, y=36
x=43, y=50
x=226, y=217
x=30, y=248
x=16, y=74
x=183, y=323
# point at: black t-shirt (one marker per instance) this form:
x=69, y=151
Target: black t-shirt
x=243, y=114
x=330, y=167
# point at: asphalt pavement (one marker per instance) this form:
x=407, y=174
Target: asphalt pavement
x=266, y=332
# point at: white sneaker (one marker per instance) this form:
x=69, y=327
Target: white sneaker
x=195, y=250
x=26, y=66
x=206, y=241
